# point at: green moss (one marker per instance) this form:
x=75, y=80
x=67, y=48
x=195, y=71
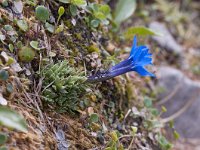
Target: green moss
x=63, y=87
x=78, y=36
x=93, y=48
x=68, y=24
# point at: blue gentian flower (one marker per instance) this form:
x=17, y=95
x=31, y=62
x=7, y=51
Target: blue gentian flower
x=138, y=59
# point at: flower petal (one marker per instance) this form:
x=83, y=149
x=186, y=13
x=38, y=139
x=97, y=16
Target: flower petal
x=142, y=71
x=148, y=55
x=145, y=61
x=137, y=53
x=134, y=46
x=143, y=54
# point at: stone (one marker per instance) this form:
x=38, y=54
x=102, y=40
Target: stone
x=3, y=101
x=166, y=41
x=181, y=91
x=16, y=67
x=18, y=6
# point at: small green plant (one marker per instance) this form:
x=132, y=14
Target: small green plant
x=35, y=45
x=22, y=24
x=164, y=143
x=42, y=13
x=79, y=3
x=94, y=117
x=61, y=11
x=100, y=13
x=114, y=142
x=26, y=54
x=63, y=86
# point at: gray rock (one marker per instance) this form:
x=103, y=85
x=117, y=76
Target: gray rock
x=167, y=40
x=182, y=92
x=18, y=6
x=16, y=67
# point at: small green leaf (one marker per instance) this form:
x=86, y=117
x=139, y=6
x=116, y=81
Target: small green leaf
x=60, y=28
x=31, y=2
x=8, y=28
x=11, y=119
x=35, y=44
x=19, y=44
x=73, y=10
x=164, y=109
x=42, y=13
x=49, y=27
x=176, y=135
x=79, y=3
x=95, y=23
x=94, y=118
x=5, y=3
x=147, y=102
x=3, y=139
x=121, y=147
x=108, y=148
x=99, y=15
x=134, y=130
x=26, y=54
x=10, y=61
x=154, y=111
x=22, y=24
x=4, y=75
x=124, y=9
x=171, y=124
x=64, y=1
x=114, y=136
x=11, y=47
x=164, y=143
x=130, y=32
x=61, y=11
x=105, y=9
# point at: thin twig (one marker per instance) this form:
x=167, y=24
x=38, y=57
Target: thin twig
x=131, y=143
x=127, y=114
x=124, y=136
x=48, y=86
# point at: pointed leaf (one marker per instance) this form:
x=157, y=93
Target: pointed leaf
x=130, y=32
x=64, y=1
x=22, y=24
